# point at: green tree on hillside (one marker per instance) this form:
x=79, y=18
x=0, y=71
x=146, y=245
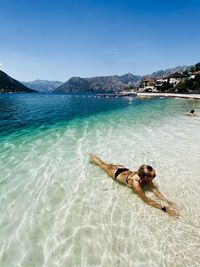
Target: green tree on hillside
x=188, y=85
x=166, y=87
x=195, y=68
x=196, y=82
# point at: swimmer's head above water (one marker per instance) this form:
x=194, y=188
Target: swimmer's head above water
x=192, y=113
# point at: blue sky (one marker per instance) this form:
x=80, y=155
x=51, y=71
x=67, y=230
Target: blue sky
x=56, y=40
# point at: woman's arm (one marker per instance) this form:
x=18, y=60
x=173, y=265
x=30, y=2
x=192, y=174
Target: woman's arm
x=155, y=190
x=146, y=199
x=170, y=210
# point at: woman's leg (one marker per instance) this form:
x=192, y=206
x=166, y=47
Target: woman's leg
x=110, y=169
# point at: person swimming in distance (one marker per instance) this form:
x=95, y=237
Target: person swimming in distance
x=192, y=113
x=137, y=180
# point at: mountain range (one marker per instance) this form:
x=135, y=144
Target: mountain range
x=167, y=72
x=97, y=84
x=111, y=83
x=8, y=84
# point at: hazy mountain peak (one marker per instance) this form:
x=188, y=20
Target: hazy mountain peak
x=44, y=86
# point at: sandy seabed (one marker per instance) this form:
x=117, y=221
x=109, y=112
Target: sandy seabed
x=58, y=210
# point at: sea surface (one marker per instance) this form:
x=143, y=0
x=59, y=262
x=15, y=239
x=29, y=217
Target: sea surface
x=58, y=209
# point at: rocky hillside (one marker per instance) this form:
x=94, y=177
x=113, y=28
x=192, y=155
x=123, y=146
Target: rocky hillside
x=131, y=79
x=10, y=85
x=43, y=85
x=167, y=72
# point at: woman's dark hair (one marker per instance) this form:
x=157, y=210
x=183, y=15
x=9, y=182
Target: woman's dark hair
x=192, y=111
x=143, y=170
x=149, y=168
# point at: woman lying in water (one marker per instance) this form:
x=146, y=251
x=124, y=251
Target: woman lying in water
x=136, y=181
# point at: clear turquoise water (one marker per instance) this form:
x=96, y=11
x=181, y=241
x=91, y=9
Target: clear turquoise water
x=57, y=209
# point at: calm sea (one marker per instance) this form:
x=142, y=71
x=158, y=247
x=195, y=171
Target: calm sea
x=57, y=209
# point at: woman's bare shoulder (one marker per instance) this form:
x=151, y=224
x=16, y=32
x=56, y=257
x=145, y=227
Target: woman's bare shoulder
x=134, y=175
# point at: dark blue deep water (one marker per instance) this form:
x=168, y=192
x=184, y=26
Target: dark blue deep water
x=19, y=111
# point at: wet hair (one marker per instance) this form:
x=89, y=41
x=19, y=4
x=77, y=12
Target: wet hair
x=143, y=170
x=192, y=111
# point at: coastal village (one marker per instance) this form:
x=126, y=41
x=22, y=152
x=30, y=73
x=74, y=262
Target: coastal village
x=187, y=82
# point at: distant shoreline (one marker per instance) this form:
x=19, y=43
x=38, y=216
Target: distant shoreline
x=146, y=95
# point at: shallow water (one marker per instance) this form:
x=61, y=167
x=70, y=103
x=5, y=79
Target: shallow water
x=57, y=209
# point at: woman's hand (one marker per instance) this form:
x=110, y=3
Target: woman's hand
x=173, y=211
